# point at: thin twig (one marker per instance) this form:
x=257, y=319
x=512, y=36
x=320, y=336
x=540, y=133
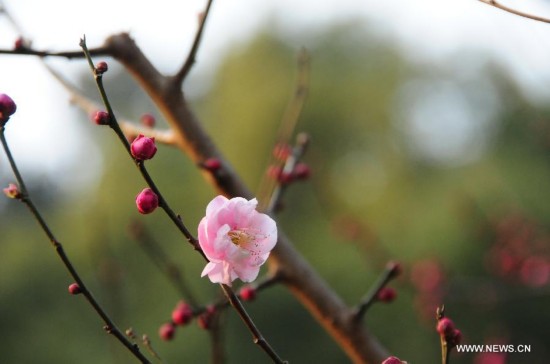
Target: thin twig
x=514, y=11
x=302, y=142
x=391, y=271
x=257, y=336
x=191, y=57
x=233, y=299
x=25, y=51
x=113, y=123
x=109, y=327
x=289, y=120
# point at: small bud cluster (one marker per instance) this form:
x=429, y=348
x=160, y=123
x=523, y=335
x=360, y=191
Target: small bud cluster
x=182, y=315
x=448, y=332
x=7, y=108
x=300, y=172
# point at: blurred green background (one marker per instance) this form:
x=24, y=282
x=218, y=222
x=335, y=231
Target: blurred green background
x=443, y=167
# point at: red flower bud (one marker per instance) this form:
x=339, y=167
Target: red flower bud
x=182, y=314
x=148, y=120
x=248, y=293
x=147, y=201
x=445, y=327
x=143, y=148
x=12, y=191
x=101, y=68
x=7, y=108
x=386, y=295
x=167, y=331
x=74, y=288
x=102, y=118
x=20, y=44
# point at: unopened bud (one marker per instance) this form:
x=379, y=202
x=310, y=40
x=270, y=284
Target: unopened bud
x=143, y=148
x=386, y=295
x=147, y=201
x=148, y=120
x=20, y=44
x=74, y=288
x=167, y=331
x=102, y=118
x=248, y=293
x=445, y=327
x=7, y=108
x=101, y=68
x=12, y=191
x=182, y=314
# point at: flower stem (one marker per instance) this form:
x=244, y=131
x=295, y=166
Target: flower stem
x=109, y=327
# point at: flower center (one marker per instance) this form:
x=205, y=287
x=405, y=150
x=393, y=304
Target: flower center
x=240, y=237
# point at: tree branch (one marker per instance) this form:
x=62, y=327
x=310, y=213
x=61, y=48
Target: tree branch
x=515, y=12
x=191, y=58
x=302, y=280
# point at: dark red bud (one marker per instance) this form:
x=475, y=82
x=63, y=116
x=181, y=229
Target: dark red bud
x=143, y=148
x=147, y=201
x=167, y=331
x=102, y=118
x=386, y=295
x=148, y=120
x=101, y=68
x=7, y=108
x=248, y=293
x=182, y=314
x=74, y=288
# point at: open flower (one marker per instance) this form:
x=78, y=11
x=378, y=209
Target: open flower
x=236, y=239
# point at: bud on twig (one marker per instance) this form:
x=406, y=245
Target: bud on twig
x=147, y=201
x=12, y=191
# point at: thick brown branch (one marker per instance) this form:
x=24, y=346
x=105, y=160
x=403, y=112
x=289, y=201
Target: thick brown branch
x=296, y=273
x=514, y=11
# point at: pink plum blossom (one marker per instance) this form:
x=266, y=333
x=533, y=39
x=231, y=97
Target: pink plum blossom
x=236, y=239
